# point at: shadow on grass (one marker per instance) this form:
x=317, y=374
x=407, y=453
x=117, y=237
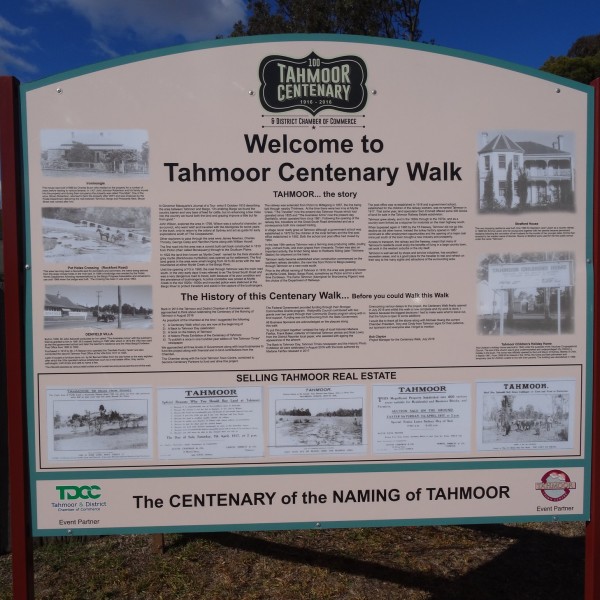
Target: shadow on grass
x=537, y=564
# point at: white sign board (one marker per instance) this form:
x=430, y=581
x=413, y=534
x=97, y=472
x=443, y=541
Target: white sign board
x=530, y=275
x=268, y=274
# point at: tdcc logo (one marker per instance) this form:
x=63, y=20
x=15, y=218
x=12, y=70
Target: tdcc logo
x=77, y=492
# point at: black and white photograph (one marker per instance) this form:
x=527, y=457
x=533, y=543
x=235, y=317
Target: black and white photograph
x=100, y=307
x=98, y=422
x=107, y=154
x=536, y=415
x=526, y=294
x=525, y=171
x=317, y=419
x=96, y=235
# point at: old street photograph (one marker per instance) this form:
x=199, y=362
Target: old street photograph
x=100, y=307
x=528, y=293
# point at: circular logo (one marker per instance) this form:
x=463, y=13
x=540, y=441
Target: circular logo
x=555, y=485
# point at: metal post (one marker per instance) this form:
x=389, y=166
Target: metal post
x=4, y=510
x=592, y=534
x=22, y=548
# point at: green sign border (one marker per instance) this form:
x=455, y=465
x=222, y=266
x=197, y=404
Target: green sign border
x=334, y=468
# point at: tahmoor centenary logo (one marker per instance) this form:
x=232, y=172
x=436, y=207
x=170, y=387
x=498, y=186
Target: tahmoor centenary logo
x=313, y=83
x=555, y=485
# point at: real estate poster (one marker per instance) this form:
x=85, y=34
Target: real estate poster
x=289, y=281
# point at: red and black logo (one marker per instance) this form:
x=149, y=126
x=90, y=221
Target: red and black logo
x=313, y=83
x=555, y=485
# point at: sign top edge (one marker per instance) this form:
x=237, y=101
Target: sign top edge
x=285, y=38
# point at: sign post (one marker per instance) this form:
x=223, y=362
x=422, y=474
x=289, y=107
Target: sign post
x=10, y=172
x=592, y=533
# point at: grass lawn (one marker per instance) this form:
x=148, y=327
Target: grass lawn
x=479, y=562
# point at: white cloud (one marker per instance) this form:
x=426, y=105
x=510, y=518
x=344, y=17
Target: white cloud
x=159, y=20
x=8, y=28
x=105, y=48
x=11, y=51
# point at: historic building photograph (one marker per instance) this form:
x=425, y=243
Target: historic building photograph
x=113, y=152
x=519, y=171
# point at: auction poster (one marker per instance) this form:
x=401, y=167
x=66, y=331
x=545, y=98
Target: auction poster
x=306, y=281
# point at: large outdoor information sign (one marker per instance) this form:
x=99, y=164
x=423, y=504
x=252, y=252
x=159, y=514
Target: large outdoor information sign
x=307, y=281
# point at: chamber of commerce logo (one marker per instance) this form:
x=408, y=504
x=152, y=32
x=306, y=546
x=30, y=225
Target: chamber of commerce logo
x=555, y=485
x=313, y=83
x=78, y=492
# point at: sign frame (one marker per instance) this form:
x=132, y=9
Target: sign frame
x=58, y=479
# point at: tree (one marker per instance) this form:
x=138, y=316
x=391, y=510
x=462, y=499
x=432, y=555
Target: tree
x=79, y=152
x=587, y=45
x=506, y=411
x=260, y=21
x=488, y=191
x=122, y=155
x=508, y=192
x=582, y=62
x=145, y=153
x=117, y=158
x=382, y=18
x=584, y=70
x=522, y=187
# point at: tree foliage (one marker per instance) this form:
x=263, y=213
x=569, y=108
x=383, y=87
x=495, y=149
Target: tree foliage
x=508, y=193
x=582, y=62
x=120, y=156
x=79, y=152
x=489, y=200
x=295, y=412
x=587, y=45
x=145, y=153
x=522, y=187
x=382, y=18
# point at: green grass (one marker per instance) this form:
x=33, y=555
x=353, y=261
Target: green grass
x=481, y=562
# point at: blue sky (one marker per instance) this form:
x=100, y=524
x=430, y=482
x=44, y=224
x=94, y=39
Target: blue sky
x=39, y=38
